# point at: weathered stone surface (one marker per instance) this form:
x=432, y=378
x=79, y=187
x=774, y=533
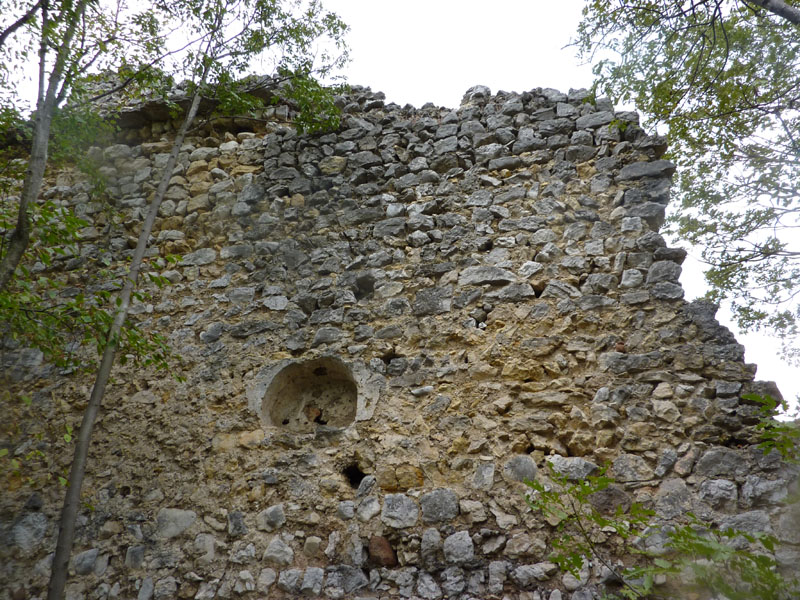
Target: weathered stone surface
x=573, y=468
x=520, y=468
x=630, y=467
x=439, y=505
x=528, y=575
x=458, y=548
x=278, y=552
x=171, y=522
x=720, y=462
x=638, y=170
x=399, y=511
x=29, y=531
x=485, y=275
x=271, y=518
x=473, y=293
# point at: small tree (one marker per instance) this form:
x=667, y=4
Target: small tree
x=230, y=34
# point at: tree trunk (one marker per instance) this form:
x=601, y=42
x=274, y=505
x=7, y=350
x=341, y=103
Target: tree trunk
x=66, y=533
x=34, y=175
x=780, y=8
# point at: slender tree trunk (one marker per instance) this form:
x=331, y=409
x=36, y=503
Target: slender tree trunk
x=780, y=8
x=45, y=106
x=66, y=533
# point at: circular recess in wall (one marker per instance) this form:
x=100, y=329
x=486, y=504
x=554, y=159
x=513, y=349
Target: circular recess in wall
x=304, y=395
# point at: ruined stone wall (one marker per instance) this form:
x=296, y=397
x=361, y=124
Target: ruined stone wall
x=384, y=331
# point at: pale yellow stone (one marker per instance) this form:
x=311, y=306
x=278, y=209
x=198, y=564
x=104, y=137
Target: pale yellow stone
x=223, y=442
x=244, y=169
x=199, y=187
x=663, y=390
x=251, y=439
x=666, y=410
x=197, y=166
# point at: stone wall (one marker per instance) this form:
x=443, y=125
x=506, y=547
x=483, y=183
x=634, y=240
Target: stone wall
x=384, y=331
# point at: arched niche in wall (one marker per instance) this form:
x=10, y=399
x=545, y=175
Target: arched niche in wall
x=301, y=395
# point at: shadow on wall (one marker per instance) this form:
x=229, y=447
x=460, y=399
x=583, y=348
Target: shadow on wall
x=303, y=395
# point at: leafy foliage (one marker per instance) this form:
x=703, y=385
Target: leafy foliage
x=581, y=527
x=734, y=563
x=781, y=436
x=724, y=77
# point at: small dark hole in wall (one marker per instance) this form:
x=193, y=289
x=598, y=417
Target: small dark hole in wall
x=354, y=475
x=530, y=449
x=124, y=491
x=391, y=354
x=320, y=371
x=285, y=421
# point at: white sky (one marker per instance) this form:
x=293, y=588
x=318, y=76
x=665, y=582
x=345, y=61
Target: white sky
x=434, y=50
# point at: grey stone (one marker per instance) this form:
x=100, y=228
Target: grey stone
x=28, y=532
x=652, y=213
x=326, y=335
x=146, y=590
x=346, y=510
x=594, y=120
x=573, y=468
x=345, y=578
x=631, y=467
x=631, y=278
x=720, y=462
x=368, y=508
x=673, y=498
x=432, y=301
x=134, y=557
x=667, y=291
x=663, y=270
x=453, y=582
x=289, y=580
x=393, y=227
x=481, y=275
x=431, y=544
x=427, y=587
x=498, y=572
x=458, y=548
x=758, y=490
x=236, y=524
x=265, y=580
x=752, y=522
x=312, y=581
x=167, y=587
x=271, y=518
x=200, y=257
x=84, y=561
x=399, y=511
x=789, y=524
x=439, y=505
x=638, y=170
x=171, y=522
x=278, y=552
x=718, y=493
x=527, y=575
x=484, y=476
x=520, y=468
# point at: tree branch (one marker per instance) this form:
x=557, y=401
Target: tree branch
x=780, y=8
x=19, y=22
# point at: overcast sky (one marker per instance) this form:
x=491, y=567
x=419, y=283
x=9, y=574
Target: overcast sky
x=434, y=50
